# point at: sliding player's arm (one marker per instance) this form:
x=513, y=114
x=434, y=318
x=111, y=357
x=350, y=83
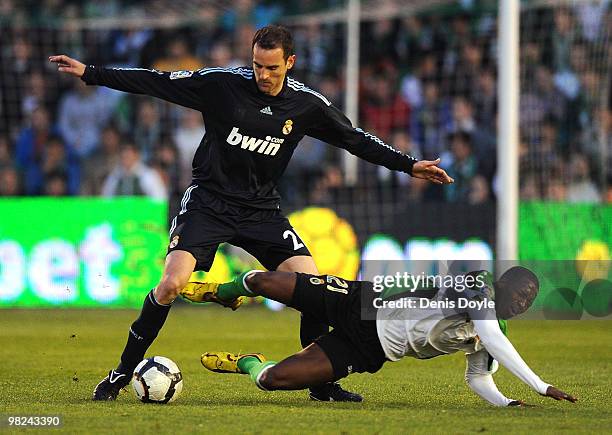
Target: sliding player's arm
x=186, y=88
x=333, y=127
x=479, y=377
x=500, y=348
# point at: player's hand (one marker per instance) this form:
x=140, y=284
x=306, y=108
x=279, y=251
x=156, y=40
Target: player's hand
x=557, y=394
x=68, y=65
x=428, y=170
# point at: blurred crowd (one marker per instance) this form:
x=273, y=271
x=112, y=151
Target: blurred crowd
x=428, y=86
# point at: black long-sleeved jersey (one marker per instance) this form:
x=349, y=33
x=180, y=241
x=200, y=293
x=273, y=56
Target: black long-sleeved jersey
x=250, y=136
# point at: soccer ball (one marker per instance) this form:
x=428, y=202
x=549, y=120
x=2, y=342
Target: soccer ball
x=157, y=380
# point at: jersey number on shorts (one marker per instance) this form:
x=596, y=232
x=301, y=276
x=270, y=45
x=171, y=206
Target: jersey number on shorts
x=297, y=244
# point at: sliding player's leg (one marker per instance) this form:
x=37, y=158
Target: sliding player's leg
x=329, y=300
x=330, y=358
x=305, y=293
x=316, y=365
x=178, y=268
x=308, y=368
x=277, y=286
x=276, y=244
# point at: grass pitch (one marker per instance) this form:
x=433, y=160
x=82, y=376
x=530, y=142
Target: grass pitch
x=52, y=359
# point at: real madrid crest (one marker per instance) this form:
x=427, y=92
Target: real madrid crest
x=174, y=241
x=316, y=281
x=287, y=127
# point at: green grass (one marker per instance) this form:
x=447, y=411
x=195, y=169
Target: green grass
x=47, y=371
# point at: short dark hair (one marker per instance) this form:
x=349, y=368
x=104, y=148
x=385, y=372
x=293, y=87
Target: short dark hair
x=274, y=36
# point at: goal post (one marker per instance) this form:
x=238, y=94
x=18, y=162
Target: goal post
x=351, y=99
x=507, y=133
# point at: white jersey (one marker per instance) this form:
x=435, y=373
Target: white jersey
x=432, y=331
x=424, y=332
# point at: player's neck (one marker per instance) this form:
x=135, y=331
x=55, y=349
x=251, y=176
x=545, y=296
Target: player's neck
x=279, y=89
x=276, y=91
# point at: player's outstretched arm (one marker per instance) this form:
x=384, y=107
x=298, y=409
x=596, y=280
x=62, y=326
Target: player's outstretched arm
x=186, y=88
x=333, y=127
x=500, y=348
x=479, y=377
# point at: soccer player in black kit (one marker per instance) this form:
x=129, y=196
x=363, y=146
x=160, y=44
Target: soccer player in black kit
x=255, y=118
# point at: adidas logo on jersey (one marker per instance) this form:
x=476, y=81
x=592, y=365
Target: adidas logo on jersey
x=266, y=110
x=269, y=146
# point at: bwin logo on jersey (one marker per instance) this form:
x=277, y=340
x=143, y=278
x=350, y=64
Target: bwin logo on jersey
x=269, y=147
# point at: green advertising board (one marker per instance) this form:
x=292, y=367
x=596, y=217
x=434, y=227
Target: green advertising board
x=568, y=246
x=80, y=252
x=561, y=231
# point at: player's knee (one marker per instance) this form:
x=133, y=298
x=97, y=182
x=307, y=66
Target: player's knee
x=268, y=380
x=168, y=288
x=274, y=379
x=258, y=281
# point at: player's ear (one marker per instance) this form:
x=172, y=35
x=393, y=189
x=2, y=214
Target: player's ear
x=290, y=61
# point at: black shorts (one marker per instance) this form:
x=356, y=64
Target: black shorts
x=204, y=221
x=352, y=345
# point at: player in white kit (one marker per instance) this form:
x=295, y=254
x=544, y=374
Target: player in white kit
x=471, y=321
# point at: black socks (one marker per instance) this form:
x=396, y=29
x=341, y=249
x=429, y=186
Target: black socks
x=142, y=333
